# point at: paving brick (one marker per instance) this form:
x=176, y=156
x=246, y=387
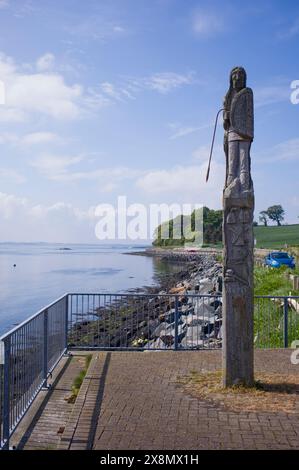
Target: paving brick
x=131, y=400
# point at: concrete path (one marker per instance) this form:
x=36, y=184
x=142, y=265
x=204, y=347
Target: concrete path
x=131, y=400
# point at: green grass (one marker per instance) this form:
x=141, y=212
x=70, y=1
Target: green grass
x=272, y=281
x=78, y=380
x=268, y=313
x=272, y=237
x=276, y=237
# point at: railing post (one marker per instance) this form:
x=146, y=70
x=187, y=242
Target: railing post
x=285, y=322
x=6, y=393
x=45, y=357
x=66, y=321
x=176, y=324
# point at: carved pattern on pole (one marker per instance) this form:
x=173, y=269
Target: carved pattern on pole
x=238, y=206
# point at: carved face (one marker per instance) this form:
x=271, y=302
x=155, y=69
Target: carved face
x=238, y=78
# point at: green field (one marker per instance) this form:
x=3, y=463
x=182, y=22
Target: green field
x=276, y=237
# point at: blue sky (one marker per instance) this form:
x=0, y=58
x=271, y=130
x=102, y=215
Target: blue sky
x=118, y=97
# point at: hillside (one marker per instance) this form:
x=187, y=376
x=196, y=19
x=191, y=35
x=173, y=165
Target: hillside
x=276, y=237
x=266, y=237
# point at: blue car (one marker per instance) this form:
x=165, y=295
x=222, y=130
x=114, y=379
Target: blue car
x=275, y=259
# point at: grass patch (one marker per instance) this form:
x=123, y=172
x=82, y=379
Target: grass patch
x=78, y=380
x=276, y=237
x=219, y=258
x=269, y=313
x=272, y=281
x=271, y=392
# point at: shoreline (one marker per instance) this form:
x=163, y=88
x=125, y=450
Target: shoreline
x=176, y=252
x=151, y=317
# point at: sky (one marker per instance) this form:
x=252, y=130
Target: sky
x=108, y=98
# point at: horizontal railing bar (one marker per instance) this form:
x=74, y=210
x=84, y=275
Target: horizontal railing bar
x=107, y=294
x=276, y=296
x=143, y=295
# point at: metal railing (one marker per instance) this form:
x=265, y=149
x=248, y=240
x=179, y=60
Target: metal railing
x=172, y=321
x=29, y=354
x=276, y=321
x=144, y=321
x=180, y=321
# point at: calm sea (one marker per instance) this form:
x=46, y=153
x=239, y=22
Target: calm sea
x=45, y=271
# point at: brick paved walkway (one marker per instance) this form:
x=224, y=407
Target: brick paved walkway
x=131, y=400
x=41, y=428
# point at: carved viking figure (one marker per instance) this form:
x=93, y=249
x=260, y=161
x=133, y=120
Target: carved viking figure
x=238, y=241
x=238, y=125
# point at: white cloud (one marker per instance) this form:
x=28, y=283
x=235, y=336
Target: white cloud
x=166, y=82
x=110, y=90
x=23, y=220
x=284, y=151
x=36, y=138
x=10, y=205
x=8, y=138
x=53, y=166
x=59, y=168
x=182, y=131
x=95, y=28
x=272, y=94
x=12, y=115
x=207, y=23
x=45, y=62
x=33, y=138
x=186, y=183
x=9, y=174
x=118, y=29
x=108, y=177
x=202, y=153
x=44, y=93
x=161, y=82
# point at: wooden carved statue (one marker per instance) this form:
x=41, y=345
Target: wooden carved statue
x=238, y=206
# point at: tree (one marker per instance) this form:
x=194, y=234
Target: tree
x=276, y=213
x=182, y=229
x=263, y=217
x=255, y=224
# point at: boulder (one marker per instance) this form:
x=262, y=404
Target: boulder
x=168, y=335
x=186, y=309
x=205, y=288
x=194, y=333
x=162, y=327
x=202, y=307
x=156, y=344
x=206, y=319
x=193, y=320
x=190, y=343
x=177, y=290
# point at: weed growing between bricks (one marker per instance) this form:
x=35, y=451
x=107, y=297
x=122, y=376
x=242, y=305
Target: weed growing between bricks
x=78, y=380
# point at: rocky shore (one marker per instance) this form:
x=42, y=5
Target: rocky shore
x=165, y=316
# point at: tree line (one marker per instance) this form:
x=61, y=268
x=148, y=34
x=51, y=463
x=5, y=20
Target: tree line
x=181, y=229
